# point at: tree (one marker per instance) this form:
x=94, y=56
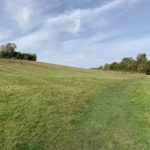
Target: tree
x=106, y=67
x=8, y=50
x=4, y=54
x=2, y=48
x=128, y=64
x=142, y=62
x=100, y=68
x=114, y=66
x=141, y=58
x=34, y=57
x=147, y=68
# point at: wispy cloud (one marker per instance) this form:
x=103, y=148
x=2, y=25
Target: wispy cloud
x=79, y=33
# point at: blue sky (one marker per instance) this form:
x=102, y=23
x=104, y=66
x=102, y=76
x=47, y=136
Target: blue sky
x=83, y=33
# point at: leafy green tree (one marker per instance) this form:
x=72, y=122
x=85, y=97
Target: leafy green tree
x=10, y=48
x=142, y=62
x=114, y=66
x=147, y=68
x=128, y=64
x=141, y=58
x=106, y=67
x=100, y=68
x=8, y=51
x=142, y=67
x=5, y=54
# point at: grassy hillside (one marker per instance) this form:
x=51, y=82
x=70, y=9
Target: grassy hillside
x=52, y=107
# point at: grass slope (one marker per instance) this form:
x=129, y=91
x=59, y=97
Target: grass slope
x=44, y=107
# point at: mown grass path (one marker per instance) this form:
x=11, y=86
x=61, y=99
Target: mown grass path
x=44, y=107
x=117, y=120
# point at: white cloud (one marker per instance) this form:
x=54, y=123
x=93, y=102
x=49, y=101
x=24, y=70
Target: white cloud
x=24, y=16
x=82, y=37
x=5, y=34
x=77, y=25
x=21, y=13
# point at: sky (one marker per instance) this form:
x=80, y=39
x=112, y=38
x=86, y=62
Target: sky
x=82, y=33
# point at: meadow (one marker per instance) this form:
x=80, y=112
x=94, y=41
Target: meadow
x=53, y=107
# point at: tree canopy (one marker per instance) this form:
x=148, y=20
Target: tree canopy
x=8, y=51
x=141, y=64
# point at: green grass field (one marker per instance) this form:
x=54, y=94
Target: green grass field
x=52, y=107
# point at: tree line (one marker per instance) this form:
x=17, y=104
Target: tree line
x=141, y=64
x=8, y=51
